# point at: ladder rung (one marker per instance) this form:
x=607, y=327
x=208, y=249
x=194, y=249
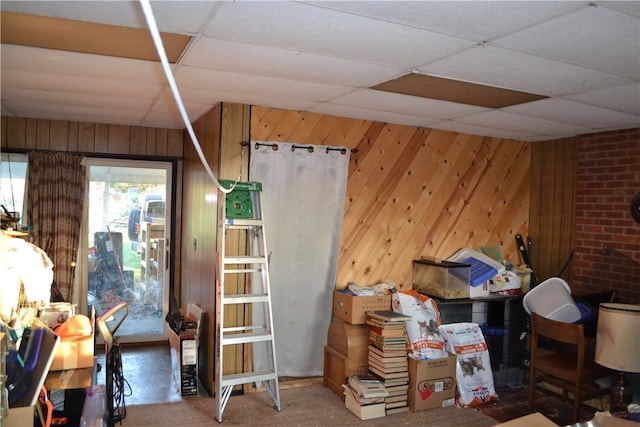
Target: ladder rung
x=242, y=270
x=245, y=298
x=249, y=337
x=245, y=260
x=247, y=377
x=243, y=222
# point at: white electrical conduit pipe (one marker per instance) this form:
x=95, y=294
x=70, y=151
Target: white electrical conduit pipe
x=155, y=34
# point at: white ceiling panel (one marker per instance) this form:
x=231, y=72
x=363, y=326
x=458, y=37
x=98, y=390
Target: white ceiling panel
x=625, y=98
x=85, y=85
x=76, y=99
x=183, y=17
x=308, y=28
x=528, y=73
x=246, y=58
x=588, y=40
x=403, y=104
x=472, y=129
x=519, y=123
x=57, y=62
x=322, y=56
x=373, y=115
x=473, y=20
x=575, y=113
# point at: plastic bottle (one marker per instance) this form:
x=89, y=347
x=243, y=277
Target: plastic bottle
x=94, y=409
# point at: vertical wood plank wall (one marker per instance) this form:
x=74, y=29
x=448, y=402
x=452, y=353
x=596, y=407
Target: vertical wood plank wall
x=414, y=192
x=553, y=206
x=220, y=133
x=199, y=231
x=99, y=139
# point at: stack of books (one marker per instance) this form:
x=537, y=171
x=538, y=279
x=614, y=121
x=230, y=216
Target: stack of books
x=365, y=397
x=388, y=357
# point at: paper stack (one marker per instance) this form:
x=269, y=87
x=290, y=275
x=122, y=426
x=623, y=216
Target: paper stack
x=365, y=397
x=388, y=357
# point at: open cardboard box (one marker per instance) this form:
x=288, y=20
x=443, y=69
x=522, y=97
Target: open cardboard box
x=184, y=351
x=76, y=351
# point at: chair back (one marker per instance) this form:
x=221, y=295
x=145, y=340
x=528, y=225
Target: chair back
x=568, y=333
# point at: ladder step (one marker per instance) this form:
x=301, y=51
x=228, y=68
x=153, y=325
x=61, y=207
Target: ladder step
x=243, y=222
x=249, y=337
x=242, y=270
x=245, y=298
x=247, y=377
x=244, y=260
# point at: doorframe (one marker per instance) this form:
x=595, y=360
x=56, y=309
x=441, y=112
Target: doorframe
x=81, y=278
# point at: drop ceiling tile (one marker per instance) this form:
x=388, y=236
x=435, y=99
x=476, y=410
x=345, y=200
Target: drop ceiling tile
x=518, y=71
x=588, y=40
x=57, y=62
x=312, y=29
x=367, y=114
x=246, y=58
x=171, y=16
x=65, y=99
x=473, y=20
x=86, y=85
x=471, y=129
x=517, y=123
x=631, y=8
x=115, y=115
x=625, y=98
x=265, y=87
x=575, y=113
x=404, y=104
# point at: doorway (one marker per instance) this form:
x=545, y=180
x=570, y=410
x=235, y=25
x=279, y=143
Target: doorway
x=128, y=243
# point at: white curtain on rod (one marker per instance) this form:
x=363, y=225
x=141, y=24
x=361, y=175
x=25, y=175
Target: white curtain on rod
x=303, y=203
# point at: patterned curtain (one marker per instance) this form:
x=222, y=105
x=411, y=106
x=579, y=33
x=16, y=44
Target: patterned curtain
x=55, y=194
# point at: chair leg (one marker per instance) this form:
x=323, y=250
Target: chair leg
x=532, y=386
x=576, y=408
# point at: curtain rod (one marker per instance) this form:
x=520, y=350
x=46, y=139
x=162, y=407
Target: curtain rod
x=309, y=148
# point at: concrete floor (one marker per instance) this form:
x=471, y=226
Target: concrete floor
x=147, y=371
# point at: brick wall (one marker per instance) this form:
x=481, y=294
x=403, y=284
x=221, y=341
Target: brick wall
x=607, y=239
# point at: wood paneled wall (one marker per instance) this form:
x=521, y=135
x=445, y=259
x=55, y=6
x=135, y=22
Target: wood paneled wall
x=220, y=133
x=553, y=206
x=414, y=192
x=97, y=139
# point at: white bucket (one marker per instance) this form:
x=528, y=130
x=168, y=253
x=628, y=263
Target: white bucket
x=552, y=299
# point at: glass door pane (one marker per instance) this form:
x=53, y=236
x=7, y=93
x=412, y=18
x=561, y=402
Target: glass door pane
x=127, y=241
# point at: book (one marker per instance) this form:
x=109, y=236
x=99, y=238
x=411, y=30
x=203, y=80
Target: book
x=394, y=390
x=386, y=332
x=389, y=369
x=401, y=364
x=389, y=353
x=397, y=398
x=383, y=360
x=389, y=375
x=367, y=388
x=395, y=405
x=399, y=410
x=389, y=316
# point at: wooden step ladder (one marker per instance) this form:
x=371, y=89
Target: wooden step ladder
x=240, y=217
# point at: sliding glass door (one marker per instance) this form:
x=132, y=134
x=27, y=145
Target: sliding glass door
x=128, y=243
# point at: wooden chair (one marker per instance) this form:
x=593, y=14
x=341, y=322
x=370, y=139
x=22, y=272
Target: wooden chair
x=568, y=363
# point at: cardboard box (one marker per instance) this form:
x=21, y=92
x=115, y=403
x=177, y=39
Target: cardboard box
x=364, y=412
x=352, y=308
x=75, y=351
x=21, y=417
x=184, y=351
x=432, y=383
x=532, y=420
